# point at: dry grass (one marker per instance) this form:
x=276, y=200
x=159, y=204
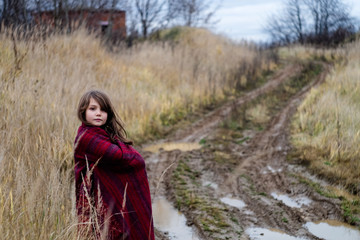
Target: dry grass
x=41, y=83
x=258, y=114
x=326, y=130
x=301, y=52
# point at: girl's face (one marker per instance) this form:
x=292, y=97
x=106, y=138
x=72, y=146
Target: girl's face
x=94, y=114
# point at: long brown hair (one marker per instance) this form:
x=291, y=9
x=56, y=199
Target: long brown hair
x=113, y=126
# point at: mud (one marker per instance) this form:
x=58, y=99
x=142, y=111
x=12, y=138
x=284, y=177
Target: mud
x=269, y=234
x=240, y=184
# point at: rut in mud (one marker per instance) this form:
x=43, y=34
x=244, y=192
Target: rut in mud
x=238, y=180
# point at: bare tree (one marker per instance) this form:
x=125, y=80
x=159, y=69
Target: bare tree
x=149, y=11
x=289, y=26
x=294, y=14
x=279, y=30
x=328, y=16
x=192, y=12
x=329, y=22
x=14, y=12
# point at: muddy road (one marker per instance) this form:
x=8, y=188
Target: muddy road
x=230, y=174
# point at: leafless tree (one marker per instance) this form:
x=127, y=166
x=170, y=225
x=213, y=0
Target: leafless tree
x=288, y=26
x=149, y=11
x=14, y=12
x=328, y=16
x=279, y=30
x=294, y=14
x=192, y=12
x=328, y=21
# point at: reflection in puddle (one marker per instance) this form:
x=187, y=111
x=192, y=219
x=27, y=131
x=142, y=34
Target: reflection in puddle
x=269, y=234
x=296, y=202
x=168, y=220
x=233, y=202
x=333, y=230
x=172, y=146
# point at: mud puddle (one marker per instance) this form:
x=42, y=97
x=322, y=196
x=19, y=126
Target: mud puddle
x=169, y=146
x=269, y=234
x=272, y=170
x=234, y=202
x=170, y=221
x=297, y=202
x=212, y=185
x=333, y=230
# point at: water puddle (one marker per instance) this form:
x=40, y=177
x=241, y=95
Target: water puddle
x=172, y=146
x=169, y=220
x=249, y=212
x=333, y=230
x=210, y=184
x=272, y=170
x=269, y=234
x=291, y=202
x=233, y=202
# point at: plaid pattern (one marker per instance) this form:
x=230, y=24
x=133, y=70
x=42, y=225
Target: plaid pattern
x=112, y=190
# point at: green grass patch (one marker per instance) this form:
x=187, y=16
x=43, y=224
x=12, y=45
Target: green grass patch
x=241, y=141
x=317, y=187
x=351, y=211
x=202, y=142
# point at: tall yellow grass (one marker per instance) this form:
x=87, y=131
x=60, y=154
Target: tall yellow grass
x=39, y=91
x=303, y=52
x=326, y=131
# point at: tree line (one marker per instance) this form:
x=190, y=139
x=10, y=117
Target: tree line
x=143, y=16
x=324, y=22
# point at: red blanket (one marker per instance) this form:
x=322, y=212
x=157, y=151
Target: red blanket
x=112, y=190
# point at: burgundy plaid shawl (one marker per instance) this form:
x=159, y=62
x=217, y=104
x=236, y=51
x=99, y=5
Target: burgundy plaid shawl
x=112, y=190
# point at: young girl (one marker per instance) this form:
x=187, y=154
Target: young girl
x=112, y=189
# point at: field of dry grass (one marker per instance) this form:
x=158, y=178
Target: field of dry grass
x=152, y=85
x=326, y=130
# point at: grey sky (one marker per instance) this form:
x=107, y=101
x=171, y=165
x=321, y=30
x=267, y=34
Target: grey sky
x=245, y=19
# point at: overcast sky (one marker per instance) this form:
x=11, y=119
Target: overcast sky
x=245, y=19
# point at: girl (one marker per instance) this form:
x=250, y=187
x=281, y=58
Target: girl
x=112, y=189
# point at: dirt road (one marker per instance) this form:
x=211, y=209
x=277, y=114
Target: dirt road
x=239, y=184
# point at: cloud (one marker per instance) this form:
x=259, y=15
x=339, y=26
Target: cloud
x=246, y=19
